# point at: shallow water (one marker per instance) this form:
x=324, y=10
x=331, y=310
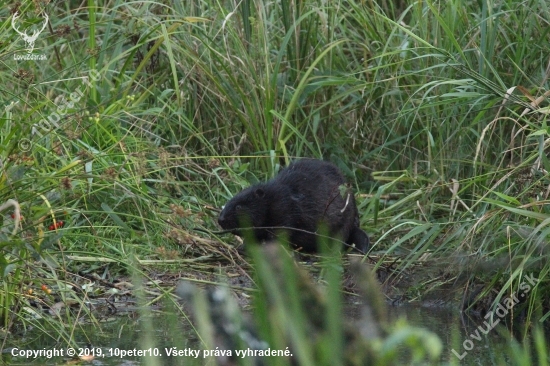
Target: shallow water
x=123, y=335
x=126, y=334
x=454, y=332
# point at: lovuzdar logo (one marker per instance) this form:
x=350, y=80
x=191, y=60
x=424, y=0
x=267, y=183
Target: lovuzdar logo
x=29, y=40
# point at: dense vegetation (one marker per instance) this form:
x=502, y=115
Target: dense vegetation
x=146, y=117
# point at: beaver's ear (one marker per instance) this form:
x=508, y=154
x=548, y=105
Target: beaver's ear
x=259, y=193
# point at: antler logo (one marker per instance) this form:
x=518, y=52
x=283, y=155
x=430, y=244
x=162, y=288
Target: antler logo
x=29, y=40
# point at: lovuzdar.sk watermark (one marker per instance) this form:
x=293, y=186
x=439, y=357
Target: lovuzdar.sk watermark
x=29, y=39
x=501, y=311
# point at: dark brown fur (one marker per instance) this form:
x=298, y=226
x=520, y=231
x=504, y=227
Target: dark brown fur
x=305, y=194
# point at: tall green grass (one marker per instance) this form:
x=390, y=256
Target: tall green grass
x=440, y=106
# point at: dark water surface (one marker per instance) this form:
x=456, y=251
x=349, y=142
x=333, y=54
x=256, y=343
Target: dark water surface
x=472, y=340
x=126, y=334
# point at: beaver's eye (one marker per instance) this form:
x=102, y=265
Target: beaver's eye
x=238, y=208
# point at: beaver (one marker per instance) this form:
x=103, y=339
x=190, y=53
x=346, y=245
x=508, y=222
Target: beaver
x=307, y=193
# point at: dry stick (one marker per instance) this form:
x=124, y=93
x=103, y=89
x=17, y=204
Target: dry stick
x=333, y=198
x=301, y=230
